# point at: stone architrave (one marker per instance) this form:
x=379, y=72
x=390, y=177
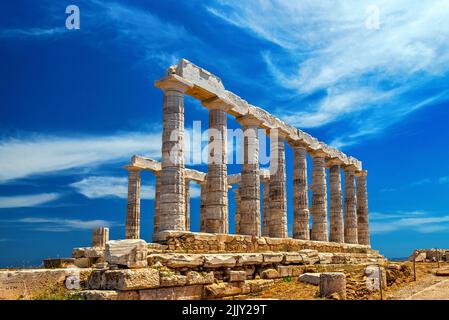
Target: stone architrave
x=350, y=225
x=132, y=224
x=300, y=192
x=249, y=190
x=172, y=194
x=336, y=204
x=278, y=194
x=217, y=186
x=319, y=197
x=362, y=209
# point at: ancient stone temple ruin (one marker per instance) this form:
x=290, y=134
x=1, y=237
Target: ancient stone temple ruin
x=172, y=214
x=212, y=263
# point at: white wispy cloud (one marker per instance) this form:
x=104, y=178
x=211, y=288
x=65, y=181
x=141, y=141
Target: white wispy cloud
x=418, y=221
x=369, y=78
x=31, y=32
x=63, y=225
x=37, y=154
x=23, y=201
x=444, y=180
x=104, y=187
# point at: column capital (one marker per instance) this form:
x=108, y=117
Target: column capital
x=132, y=168
x=318, y=153
x=248, y=120
x=173, y=82
x=299, y=144
x=349, y=168
x=334, y=162
x=280, y=132
x=216, y=103
x=361, y=173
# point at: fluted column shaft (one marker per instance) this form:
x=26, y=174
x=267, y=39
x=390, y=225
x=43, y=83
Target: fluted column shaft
x=319, y=198
x=203, y=201
x=249, y=189
x=300, y=193
x=217, y=186
x=336, y=205
x=100, y=236
x=172, y=195
x=132, y=225
x=362, y=209
x=237, y=211
x=187, y=201
x=350, y=207
x=157, y=208
x=278, y=198
x=266, y=207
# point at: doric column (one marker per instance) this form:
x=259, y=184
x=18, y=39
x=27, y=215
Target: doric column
x=172, y=197
x=266, y=207
x=336, y=205
x=319, y=197
x=362, y=209
x=132, y=226
x=278, y=198
x=157, y=208
x=203, y=201
x=300, y=192
x=237, y=210
x=100, y=236
x=350, y=206
x=187, y=201
x=249, y=189
x=217, y=186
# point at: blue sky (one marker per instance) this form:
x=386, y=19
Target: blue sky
x=77, y=104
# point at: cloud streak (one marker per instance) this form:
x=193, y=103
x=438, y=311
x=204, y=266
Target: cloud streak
x=24, y=201
x=63, y=225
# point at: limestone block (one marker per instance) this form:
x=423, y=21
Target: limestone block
x=223, y=289
x=78, y=253
x=82, y=262
x=194, y=277
x=421, y=257
x=193, y=292
x=250, y=259
x=126, y=279
x=325, y=258
x=236, y=276
x=169, y=279
x=94, y=252
x=442, y=272
x=219, y=260
x=333, y=283
x=285, y=271
x=128, y=295
x=269, y=274
x=293, y=257
x=259, y=284
x=131, y=253
x=275, y=257
x=97, y=294
x=340, y=258
x=177, y=260
x=59, y=263
x=310, y=278
x=309, y=256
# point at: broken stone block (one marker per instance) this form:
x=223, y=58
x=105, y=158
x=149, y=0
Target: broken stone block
x=78, y=253
x=94, y=252
x=269, y=274
x=223, y=289
x=325, y=258
x=259, y=284
x=219, y=261
x=333, y=283
x=177, y=260
x=309, y=256
x=131, y=253
x=126, y=279
x=194, y=277
x=128, y=295
x=292, y=257
x=285, y=271
x=83, y=262
x=250, y=259
x=310, y=278
x=169, y=279
x=236, y=276
x=275, y=257
x=59, y=263
x=97, y=294
x=193, y=292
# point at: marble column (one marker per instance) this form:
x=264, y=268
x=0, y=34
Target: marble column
x=319, y=197
x=187, y=201
x=362, y=209
x=172, y=195
x=266, y=207
x=132, y=226
x=217, y=186
x=100, y=236
x=336, y=205
x=278, y=197
x=157, y=208
x=237, y=210
x=203, y=200
x=300, y=192
x=249, y=189
x=350, y=206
